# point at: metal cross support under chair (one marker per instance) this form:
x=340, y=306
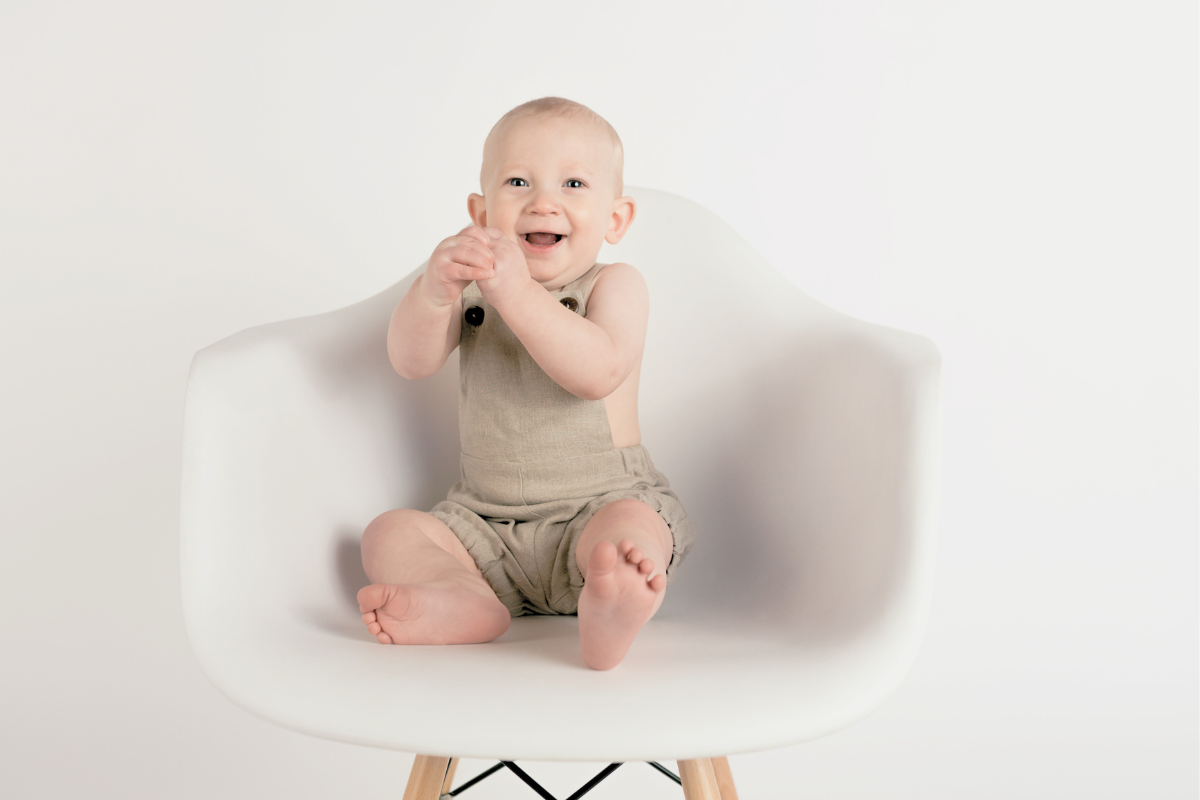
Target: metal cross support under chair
x=432, y=778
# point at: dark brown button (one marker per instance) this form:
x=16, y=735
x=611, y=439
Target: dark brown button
x=474, y=315
x=570, y=302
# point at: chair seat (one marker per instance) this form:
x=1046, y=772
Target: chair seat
x=688, y=688
x=801, y=441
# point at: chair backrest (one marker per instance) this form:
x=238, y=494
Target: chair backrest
x=800, y=440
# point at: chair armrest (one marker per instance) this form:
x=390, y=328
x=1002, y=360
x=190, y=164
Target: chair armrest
x=819, y=510
x=296, y=434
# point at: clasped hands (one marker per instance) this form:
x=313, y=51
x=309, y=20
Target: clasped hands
x=477, y=254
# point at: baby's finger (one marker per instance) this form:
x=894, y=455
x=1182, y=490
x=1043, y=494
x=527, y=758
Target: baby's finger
x=475, y=232
x=482, y=248
x=471, y=234
x=493, y=233
x=464, y=272
x=472, y=254
x=469, y=265
x=453, y=246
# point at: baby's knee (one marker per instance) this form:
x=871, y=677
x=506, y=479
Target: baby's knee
x=627, y=510
x=633, y=513
x=633, y=519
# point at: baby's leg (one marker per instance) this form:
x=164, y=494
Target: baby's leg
x=425, y=587
x=623, y=554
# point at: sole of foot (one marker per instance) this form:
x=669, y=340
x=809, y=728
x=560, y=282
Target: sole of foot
x=431, y=613
x=619, y=596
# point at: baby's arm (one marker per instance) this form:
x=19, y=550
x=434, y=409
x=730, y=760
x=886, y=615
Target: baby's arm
x=425, y=326
x=589, y=357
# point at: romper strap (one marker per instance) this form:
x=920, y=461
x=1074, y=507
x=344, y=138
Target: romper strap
x=584, y=281
x=582, y=286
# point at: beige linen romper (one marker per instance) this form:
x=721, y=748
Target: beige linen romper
x=537, y=464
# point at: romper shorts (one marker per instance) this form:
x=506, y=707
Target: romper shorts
x=521, y=521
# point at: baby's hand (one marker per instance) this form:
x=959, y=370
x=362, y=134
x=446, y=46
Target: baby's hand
x=458, y=260
x=511, y=271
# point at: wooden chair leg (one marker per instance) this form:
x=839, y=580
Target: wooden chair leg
x=699, y=780
x=448, y=784
x=724, y=778
x=425, y=780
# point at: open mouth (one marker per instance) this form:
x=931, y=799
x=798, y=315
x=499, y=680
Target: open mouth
x=540, y=240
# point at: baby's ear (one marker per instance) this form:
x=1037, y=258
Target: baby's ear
x=624, y=210
x=477, y=208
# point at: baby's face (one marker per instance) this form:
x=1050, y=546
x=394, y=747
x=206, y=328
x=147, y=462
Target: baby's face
x=551, y=186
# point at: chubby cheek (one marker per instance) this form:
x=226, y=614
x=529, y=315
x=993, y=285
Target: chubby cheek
x=503, y=220
x=591, y=231
x=585, y=225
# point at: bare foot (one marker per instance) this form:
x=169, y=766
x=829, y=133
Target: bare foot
x=618, y=598
x=437, y=612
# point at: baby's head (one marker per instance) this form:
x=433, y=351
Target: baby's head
x=552, y=182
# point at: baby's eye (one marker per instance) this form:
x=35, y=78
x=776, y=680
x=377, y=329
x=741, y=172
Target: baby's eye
x=574, y=184
x=517, y=182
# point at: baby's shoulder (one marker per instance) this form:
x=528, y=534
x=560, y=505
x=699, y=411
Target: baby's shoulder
x=617, y=281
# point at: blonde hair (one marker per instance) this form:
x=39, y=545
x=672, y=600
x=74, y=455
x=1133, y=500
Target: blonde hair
x=550, y=107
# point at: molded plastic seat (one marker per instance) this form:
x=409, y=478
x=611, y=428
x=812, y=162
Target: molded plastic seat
x=802, y=442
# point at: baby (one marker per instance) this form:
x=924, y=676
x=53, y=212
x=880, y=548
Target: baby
x=559, y=510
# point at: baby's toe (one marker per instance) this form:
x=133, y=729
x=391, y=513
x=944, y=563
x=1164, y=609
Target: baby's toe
x=658, y=583
x=646, y=566
x=369, y=617
x=635, y=556
x=603, y=557
x=383, y=638
x=624, y=547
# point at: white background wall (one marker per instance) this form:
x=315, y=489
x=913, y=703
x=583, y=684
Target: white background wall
x=1016, y=180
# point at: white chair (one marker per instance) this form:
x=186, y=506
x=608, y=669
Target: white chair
x=802, y=442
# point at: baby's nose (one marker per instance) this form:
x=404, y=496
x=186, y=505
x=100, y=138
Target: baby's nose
x=543, y=203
